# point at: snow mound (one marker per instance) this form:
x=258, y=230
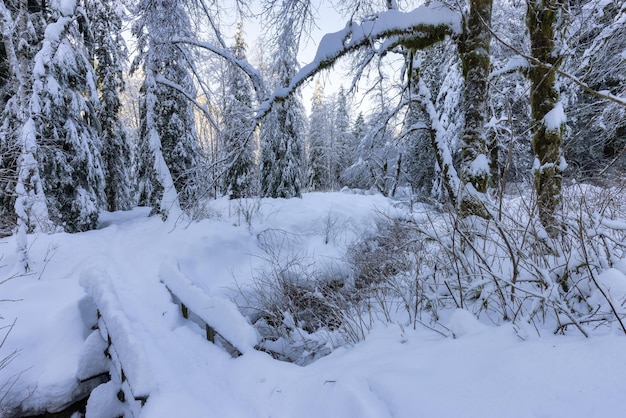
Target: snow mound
x=464, y=323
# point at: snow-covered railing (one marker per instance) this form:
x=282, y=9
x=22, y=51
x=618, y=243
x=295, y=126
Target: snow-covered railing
x=129, y=364
x=219, y=316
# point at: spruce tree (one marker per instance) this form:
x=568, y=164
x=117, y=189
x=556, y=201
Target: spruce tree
x=283, y=128
x=318, y=177
x=73, y=176
x=237, y=133
x=109, y=54
x=168, y=146
x=22, y=198
x=344, y=141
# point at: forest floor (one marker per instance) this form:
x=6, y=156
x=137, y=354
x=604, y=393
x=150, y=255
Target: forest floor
x=398, y=370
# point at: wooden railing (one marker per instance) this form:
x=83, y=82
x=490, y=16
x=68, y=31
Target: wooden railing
x=128, y=367
x=220, y=317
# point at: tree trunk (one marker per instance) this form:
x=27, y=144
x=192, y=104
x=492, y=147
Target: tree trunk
x=475, y=59
x=548, y=118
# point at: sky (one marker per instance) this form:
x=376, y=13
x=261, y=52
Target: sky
x=328, y=20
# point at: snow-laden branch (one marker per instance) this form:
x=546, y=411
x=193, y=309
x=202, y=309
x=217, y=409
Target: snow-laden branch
x=603, y=94
x=608, y=32
x=451, y=180
x=7, y=26
x=203, y=108
x=251, y=72
x=417, y=29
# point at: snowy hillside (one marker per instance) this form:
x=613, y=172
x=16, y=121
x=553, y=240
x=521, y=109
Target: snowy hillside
x=127, y=266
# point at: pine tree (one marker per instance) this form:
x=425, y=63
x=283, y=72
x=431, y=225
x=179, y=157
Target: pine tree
x=237, y=134
x=283, y=128
x=109, y=53
x=168, y=147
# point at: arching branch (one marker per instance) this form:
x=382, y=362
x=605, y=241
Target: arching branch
x=417, y=29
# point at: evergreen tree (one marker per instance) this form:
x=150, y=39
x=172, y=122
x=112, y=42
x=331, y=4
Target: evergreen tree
x=420, y=160
x=71, y=162
x=377, y=159
x=168, y=147
x=22, y=197
x=109, y=53
x=60, y=132
x=283, y=128
x=318, y=175
x=344, y=140
x=237, y=134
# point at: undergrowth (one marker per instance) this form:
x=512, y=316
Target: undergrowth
x=416, y=269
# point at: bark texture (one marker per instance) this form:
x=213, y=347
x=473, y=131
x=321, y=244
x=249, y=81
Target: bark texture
x=542, y=18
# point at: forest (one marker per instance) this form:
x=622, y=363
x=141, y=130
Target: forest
x=487, y=136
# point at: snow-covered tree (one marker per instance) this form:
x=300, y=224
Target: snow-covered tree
x=109, y=53
x=508, y=135
x=318, y=175
x=283, y=129
x=344, y=143
x=237, y=132
x=543, y=19
x=420, y=160
x=596, y=135
x=475, y=55
x=66, y=94
x=22, y=196
x=168, y=147
x=377, y=158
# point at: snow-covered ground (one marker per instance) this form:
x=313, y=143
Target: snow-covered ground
x=397, y=371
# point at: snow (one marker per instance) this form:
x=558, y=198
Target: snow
x=221, y=314
x=355, y=35
x=65, y=7
x=92, y=360
x=397, y=371
x=555, y=119
x=515, y=63
x=479, y=165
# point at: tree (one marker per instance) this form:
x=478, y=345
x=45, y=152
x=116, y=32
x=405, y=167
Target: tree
x=283, y=128
x=596, y=134
x=377, y=159
x=421, y=159
x=168, y=147
x=318, y=175
x=65, y=83
x=23, y=193
x=237, y=135
x=108, y=51
x=474, y=49
x=543, y=19
x=344, y=141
